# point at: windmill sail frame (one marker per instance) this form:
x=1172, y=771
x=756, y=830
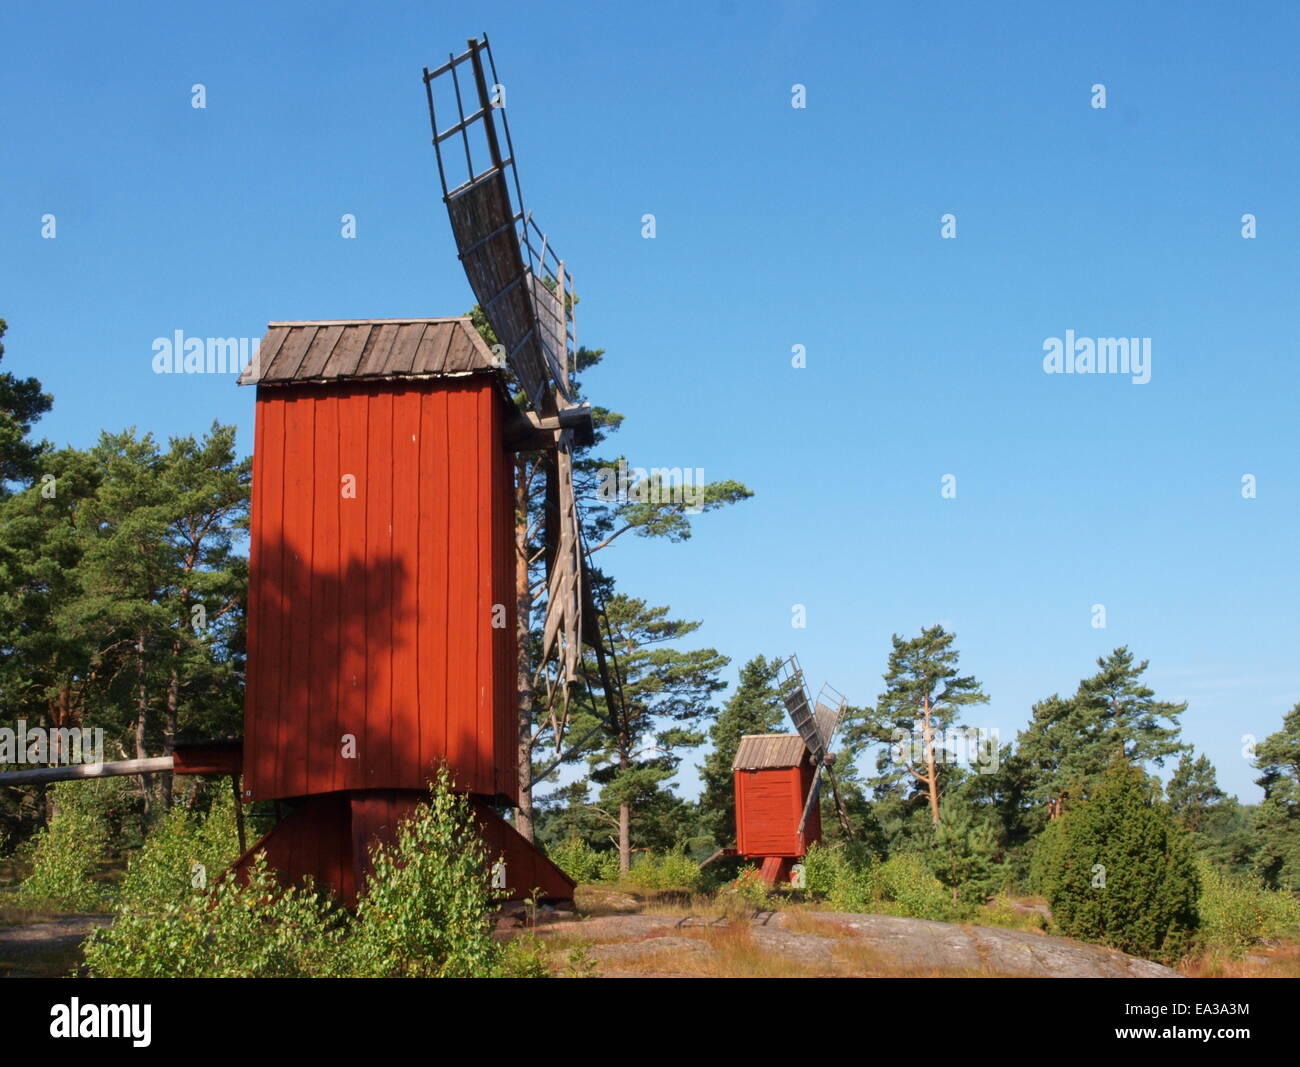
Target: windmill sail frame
x=507, y=258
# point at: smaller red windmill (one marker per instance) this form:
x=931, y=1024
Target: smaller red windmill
x=778, y=779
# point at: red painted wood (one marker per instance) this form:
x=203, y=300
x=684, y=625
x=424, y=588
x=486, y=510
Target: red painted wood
x=322, y=695
x=372, y=616
x=207, y=757
x=331, y=838
x=528, y=871
x=298, y=619
x=314, y=840
x=769, y=805
x=775, y=869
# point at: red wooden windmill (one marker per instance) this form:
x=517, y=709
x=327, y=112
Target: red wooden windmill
x=382, y=638
x=778, y=779
x=381, y=608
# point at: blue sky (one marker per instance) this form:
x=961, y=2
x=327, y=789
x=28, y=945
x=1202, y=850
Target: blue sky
x=776, y=226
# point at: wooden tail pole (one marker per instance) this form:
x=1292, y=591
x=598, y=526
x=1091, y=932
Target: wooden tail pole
x=73, y=771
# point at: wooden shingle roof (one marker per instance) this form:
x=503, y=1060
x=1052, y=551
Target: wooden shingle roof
x=759, y=752
x=293, y=352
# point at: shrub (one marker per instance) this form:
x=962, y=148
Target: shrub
x=525, y=956
x=672, y=870
x=425, y=910
x=1237, y=911
x=906, y=882
x=746, y=892
x=67, y=851
x=963, y=851
x=1118, y=870
x=609, y=871
x=821, y=868
x=849, y=879
x=185, y=852
x=577, y=859
x=1047, y=859
x=258, y=930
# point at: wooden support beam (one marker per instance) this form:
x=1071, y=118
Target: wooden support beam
x=74, y=771
x=531, y=432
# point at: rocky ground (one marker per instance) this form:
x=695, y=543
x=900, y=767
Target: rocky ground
x=627, y=938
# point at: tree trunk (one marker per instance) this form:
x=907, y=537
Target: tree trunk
x=932, y=783
x=141, y=720
x=624, y=818
x=169, y=720
x=624, y=838
x=523, y=676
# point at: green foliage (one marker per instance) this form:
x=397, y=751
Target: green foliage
x=578, y=963
x=963, y=853
x=821, y=868
x=906, y=882
x=1001, y=912
x=666, y=694
x=1238, y=911
x=122, y=593
x=746, y=892
x=258, y=930
x=1070, y=742
x=578, y=860
x=849, y=879
x=22, y=403
x=424, y=913
x=185, y=847
x=923, y=701
x=1047, y=864
x=1277, y=821
x=67, y=852
x=669, y=870
x=525, y=956
x=1118, y=870
x=1194, y=791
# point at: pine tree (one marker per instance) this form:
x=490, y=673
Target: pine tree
x=666, y=696
x=22, y=403
x=1130, y=719
x=963, y=852
x=922, y=702
x=1277, y=821
x=1193, y=791
x=1070, y=742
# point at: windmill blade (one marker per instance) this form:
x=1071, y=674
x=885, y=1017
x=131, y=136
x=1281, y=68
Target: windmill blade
x=562, y=628
x=794, y=694
x=827, y=712
x=497, y=241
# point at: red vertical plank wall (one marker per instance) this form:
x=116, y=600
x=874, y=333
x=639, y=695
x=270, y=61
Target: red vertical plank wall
x=382, y=541
x=769, y=805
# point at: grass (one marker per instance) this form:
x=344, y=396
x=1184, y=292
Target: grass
x=1273, y=961
x=735, y=954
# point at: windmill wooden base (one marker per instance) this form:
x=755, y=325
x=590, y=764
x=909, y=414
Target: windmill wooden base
x=329, y=837
x=381, y=605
